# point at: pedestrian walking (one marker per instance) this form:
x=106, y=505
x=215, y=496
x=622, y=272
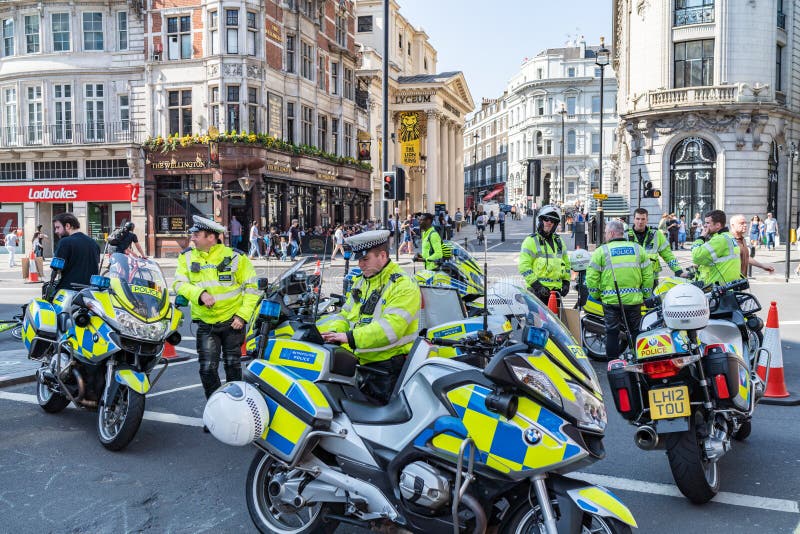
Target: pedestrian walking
x=220, y=285
x=338, y=242
x=11, y=246
x=459, y=217
x=501, y=219
x=294, y=239
x=738, y=231
x=754, y=232
x=236, y=232
x=673, y=228
x=255, y=246
x=492, y=221
x=681, y=231
x=771, y=229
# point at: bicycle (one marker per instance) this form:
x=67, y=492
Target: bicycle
x=14, y=325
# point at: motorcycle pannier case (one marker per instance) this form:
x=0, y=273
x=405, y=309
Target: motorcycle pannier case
x=38, y=326
x=627, y=391
x=729, y=377
x=296, y=407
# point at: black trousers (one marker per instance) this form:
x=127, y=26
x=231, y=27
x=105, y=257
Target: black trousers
x=614, y=321
x=379, y=386
x=211, y=339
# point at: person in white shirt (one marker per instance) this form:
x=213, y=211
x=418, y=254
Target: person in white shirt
x=338, y=241
x=11, y=247
x=255, y=247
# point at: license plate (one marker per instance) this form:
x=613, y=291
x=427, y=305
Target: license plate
x=667, y=403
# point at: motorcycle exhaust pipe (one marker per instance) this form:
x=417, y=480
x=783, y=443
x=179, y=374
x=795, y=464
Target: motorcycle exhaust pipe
x=646, y=438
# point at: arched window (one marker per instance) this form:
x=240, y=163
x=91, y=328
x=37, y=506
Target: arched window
x=571, y=142
x=539, y=146
x=772, y=179
x=595, y=181
x=693, y=169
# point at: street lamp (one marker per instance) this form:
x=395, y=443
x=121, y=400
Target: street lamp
x=562, y=183
x=792, y=155
x=475, y=136
x=602, y=57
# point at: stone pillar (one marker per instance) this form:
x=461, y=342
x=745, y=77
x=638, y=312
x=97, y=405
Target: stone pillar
x=458, y=134
x=453, y=202
x=444, y=163
x=432, y=173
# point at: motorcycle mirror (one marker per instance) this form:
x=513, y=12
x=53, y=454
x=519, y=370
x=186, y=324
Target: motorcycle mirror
x=181, y=301
x=263, y=284
x=57, y=264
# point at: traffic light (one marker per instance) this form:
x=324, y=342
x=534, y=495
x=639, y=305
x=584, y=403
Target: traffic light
x=389, y=186
x=534, y=188
x=400, y=181
x=649, y=192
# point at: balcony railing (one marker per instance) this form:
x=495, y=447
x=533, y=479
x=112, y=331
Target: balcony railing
x=35, y=135
x=689, y=96
x=694, y=15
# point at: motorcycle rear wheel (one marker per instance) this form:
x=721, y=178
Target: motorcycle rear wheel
x=695, y=476
x=49, y=400
x=276, y=518
x=118, y=422
x=528, y=520
x=16, y=332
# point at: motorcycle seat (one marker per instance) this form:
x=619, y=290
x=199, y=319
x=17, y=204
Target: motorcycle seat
x=394, y=413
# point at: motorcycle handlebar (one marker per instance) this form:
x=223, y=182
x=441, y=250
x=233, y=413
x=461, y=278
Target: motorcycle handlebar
x=447, y=342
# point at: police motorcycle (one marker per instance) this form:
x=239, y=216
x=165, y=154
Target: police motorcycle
x=99, y=344
x=457, y=449
x=690, y=384
x=457, y=269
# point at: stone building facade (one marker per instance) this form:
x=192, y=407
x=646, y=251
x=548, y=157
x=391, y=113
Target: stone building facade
x=486, y=155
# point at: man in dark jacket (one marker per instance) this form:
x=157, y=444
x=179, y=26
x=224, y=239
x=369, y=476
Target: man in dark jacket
x=80, y=252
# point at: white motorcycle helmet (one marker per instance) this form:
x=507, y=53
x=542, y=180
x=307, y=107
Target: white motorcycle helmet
x=579, y=259
x=236, y=413
x=550, y=212
x=502, y=299
x=685, y=307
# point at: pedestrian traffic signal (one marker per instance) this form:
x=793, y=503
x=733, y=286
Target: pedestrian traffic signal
x=400, y=181
x=649, y=192
x=389, y=186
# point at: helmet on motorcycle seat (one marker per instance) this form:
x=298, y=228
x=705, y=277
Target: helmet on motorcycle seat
x=236, y=413
x=579, y=259
x=502, y=299
x=550, y=213
x=685, y=307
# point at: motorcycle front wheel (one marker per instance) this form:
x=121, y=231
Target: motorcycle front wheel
x=695, y=476
x=528, y=520
x=49, y=400
x=119, y=420
x=270, y=515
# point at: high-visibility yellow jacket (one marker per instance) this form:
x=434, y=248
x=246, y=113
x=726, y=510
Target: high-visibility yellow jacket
x=431, y=248
x=656, y=245
x=544, y=260
x=388, y=330
x=717, y=258
x=226, y=275
x=629, y=264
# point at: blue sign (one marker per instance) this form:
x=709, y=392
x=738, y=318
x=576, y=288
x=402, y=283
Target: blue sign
x=296, y=355
x=448, y=332
x=623, y=251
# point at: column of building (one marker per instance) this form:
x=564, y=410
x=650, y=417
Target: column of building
x=444, y=164
x=458, y=134
x=432, y=173
x=453, y=201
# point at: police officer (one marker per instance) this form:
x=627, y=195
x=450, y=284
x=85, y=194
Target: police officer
x=716, y=252
x=620, y=275
x=654, y=243
x=380, y=320
x=221, y=287
x=431, y=252
x=543, y=260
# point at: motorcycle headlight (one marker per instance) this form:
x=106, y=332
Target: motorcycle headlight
x=588, y=410
x=132, y=327
x=536, y=381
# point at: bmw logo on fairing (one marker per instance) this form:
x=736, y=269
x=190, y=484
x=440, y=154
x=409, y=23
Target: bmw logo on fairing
x=532, y=436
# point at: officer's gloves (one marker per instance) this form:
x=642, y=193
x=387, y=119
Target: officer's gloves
x=564, y=288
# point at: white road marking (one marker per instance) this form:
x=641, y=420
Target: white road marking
x=184, y=349
x=788, y=322
x=150, y=416
x=156, y=394
x=190, y=360
x=188, y=338
x=723, y=497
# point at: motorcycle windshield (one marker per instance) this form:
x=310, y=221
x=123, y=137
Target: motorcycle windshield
x=279, y=283
x=138, y=285
x=467, y=266
x=540, y=316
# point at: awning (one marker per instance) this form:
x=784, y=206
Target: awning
x=494, y=192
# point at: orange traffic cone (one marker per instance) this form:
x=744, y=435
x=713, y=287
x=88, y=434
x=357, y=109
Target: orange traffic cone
x=552, y=303
x=171, y=355
x=776, y=392
x=33, y=274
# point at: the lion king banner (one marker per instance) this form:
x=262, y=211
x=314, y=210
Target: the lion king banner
x=409, y=138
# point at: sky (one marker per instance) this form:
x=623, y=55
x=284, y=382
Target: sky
x=489, y=40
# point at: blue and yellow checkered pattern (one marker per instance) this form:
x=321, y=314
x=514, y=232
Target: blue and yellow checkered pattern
x=40, y=317
x=138, y=382
x=92, y=341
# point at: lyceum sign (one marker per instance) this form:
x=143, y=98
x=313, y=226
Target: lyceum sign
x=67, y=193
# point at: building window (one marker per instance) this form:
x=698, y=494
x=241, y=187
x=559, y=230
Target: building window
x=570, y=187
x=781, y=16
x=335, y=136
x=595, y=143
x=571, y=142
x=307, y=60
x=322, y=132
x=232, y=31
x=694, y=63
x=179, y=37
x=321, y=72
x=180, y=112
x=348, y=83
x=35, y=115
x=571, y=72
x=214, y=107
x=341, y=30
x=55, y=170
x=772, y=179
x=12, y=171
x=334, y=77
x=124, y=113
x=32, y=34
x=572, y=102
x=779, y=68
x=548, y=147
x=252, y=34
x=60, y=29
x=232, y=116
x=595, y=103
x=94, y=100
x=252, y=109
x=8, y=37
x=10, y=115
x=62, y=94
x=365, y=24
x=107, y=168
x=92, y=31
x=308, y=8
x=290, y=52
x=425, y=64
x=539, y=73
x=306, y=120
x=290, y=122
x=122, y=30
x=539, y=145
x=540, y=106
x=348, y=140
x=213, y=35
x=693, y=12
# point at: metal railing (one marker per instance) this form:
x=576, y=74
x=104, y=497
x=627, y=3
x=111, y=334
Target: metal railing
x=694, y=15
x=71, y=134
